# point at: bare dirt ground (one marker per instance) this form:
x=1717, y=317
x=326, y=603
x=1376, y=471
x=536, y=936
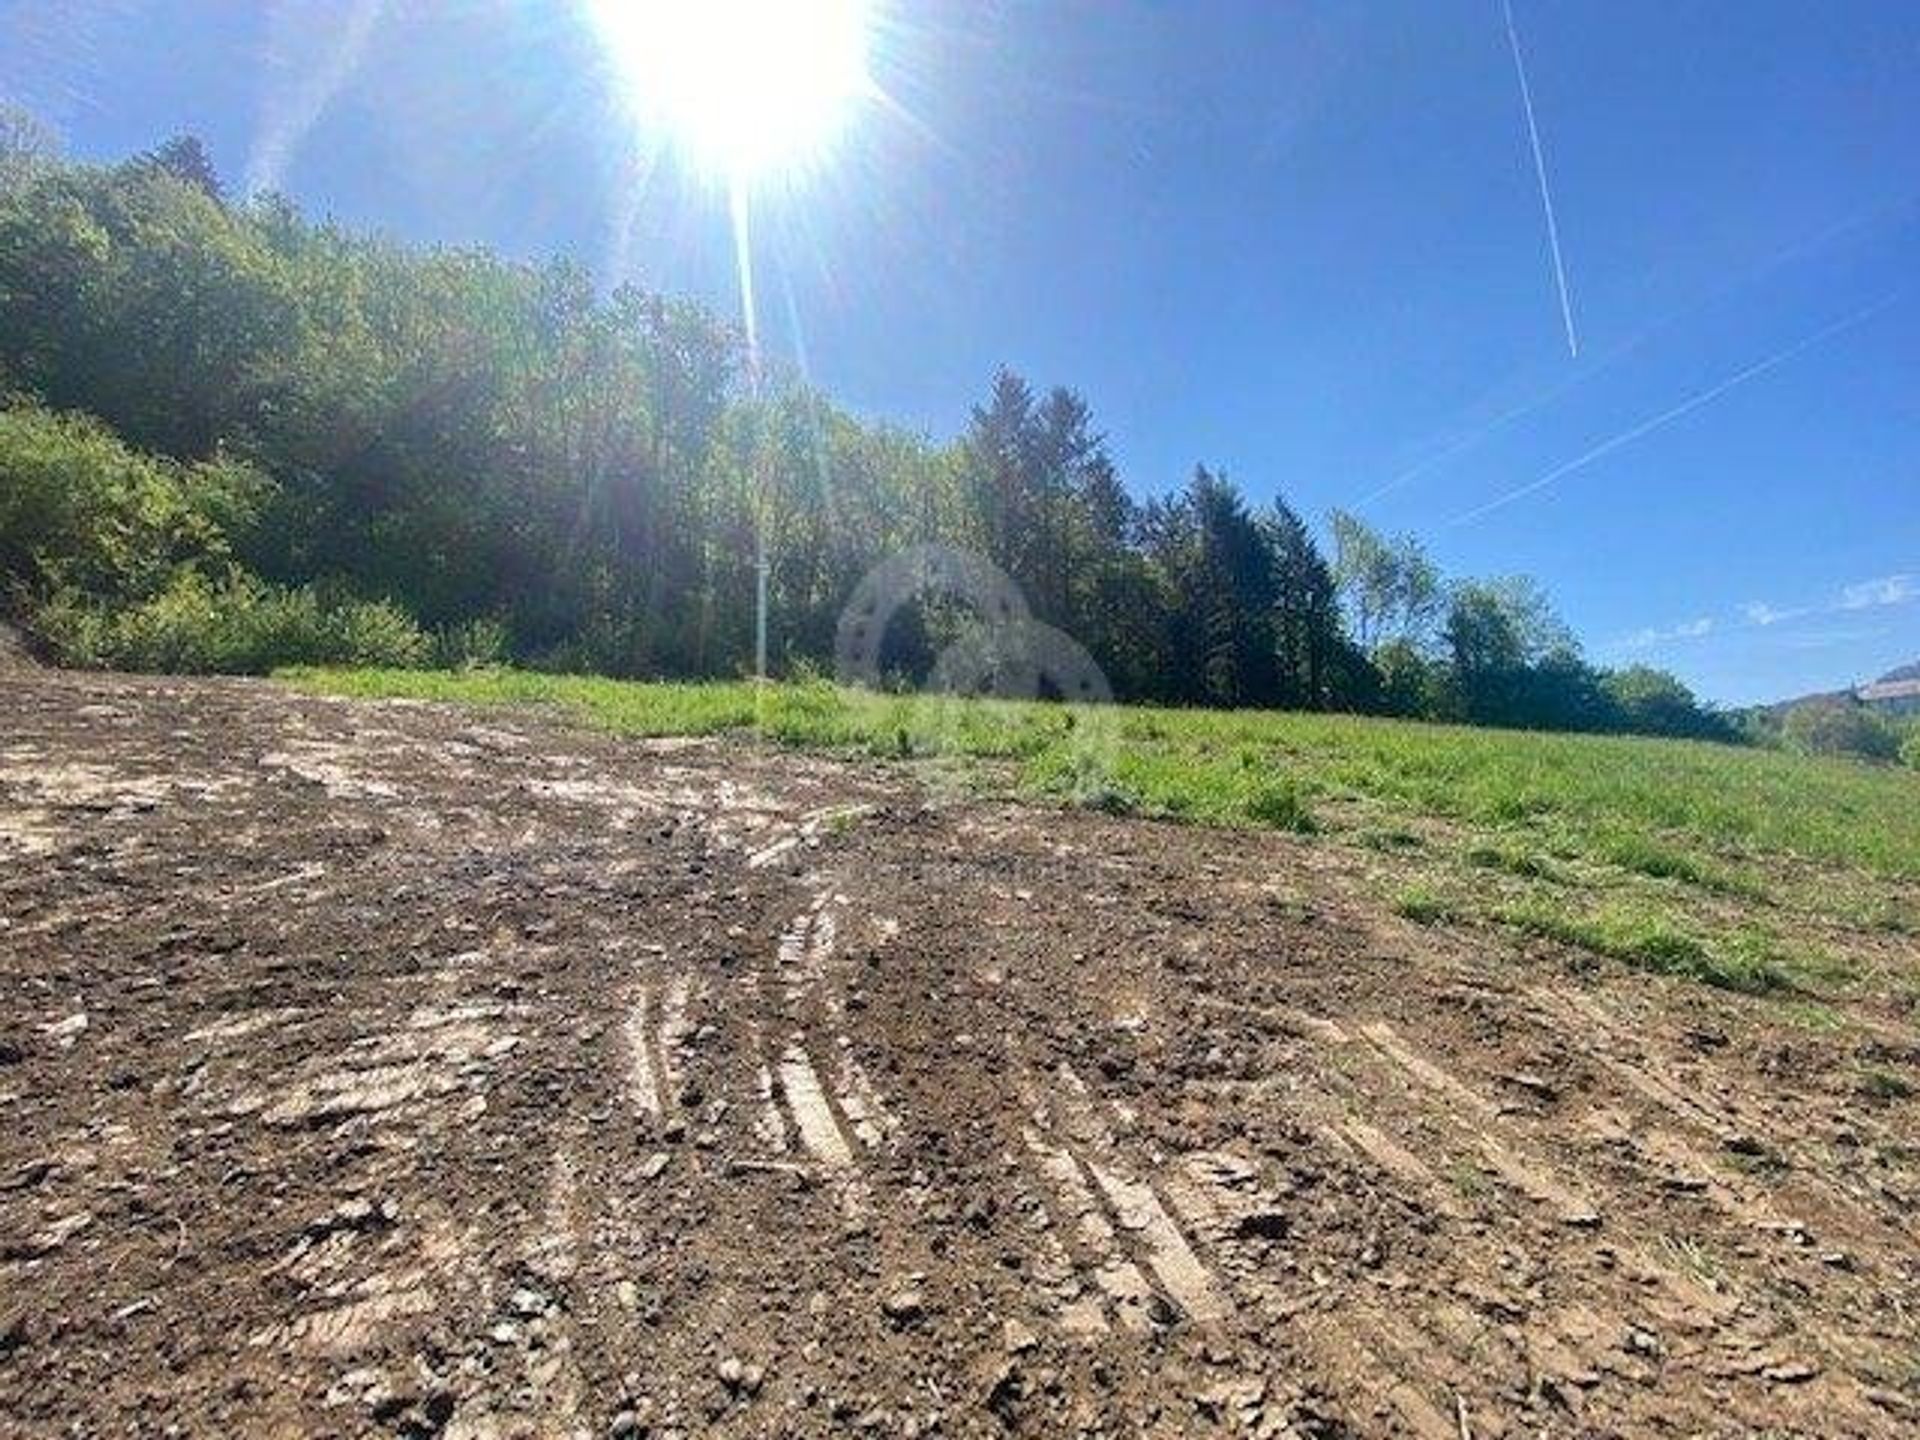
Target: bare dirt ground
x=392, y=1069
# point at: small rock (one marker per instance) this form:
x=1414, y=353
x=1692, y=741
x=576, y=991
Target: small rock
x=28, y=1175
x=627, y=1294
x=733, y=1374
x=527, y=1302
x=1644, y=1342
x=656, y=1166
x=1019, y=1338
x=1892, y=1401
x=356, y=1387
x=64, y=1032
x=1791, y=1372
x=904, y=1305
x=52, y=1238
x=624, y=1426
x=1528, y=1081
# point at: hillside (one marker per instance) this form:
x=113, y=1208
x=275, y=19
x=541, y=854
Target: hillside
x=236, y=438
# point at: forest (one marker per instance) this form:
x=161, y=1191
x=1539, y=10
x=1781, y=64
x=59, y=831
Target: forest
x=234, y=437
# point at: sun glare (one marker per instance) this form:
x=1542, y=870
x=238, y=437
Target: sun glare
x=744, y=87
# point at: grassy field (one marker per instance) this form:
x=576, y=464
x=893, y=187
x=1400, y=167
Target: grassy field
x=1750, y=869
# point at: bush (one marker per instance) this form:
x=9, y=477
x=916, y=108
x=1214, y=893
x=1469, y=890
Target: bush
x=471, y=645
x=1840, y=727
x=1910, y=749
x=79, y=510
x=240, y=625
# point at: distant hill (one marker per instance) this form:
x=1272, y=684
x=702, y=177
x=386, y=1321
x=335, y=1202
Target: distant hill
x=1895, y=693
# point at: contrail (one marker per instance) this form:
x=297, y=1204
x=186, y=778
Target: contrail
x=1540, y=169
x=1810, y=244
x=1685, y=407
x=290, y=109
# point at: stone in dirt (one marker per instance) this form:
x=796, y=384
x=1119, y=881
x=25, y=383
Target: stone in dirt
x=905, y=1305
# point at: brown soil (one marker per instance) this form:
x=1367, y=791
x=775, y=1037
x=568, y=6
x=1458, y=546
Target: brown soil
x=372, y=1069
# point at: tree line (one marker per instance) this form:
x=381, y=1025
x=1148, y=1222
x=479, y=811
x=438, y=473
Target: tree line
x=521, y=468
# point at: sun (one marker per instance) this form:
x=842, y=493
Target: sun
x=746, y=88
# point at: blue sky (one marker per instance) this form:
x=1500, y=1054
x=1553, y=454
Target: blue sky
x=1302, y=242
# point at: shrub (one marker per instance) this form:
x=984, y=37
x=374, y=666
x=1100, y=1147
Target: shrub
x=1910, y=749
x=79, y=510
x=471, y=645
x=239, y=625
x=1840, y=727
x=1279, y=804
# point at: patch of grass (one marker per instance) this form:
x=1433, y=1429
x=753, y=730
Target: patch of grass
x=1744, y=960
x=1389, y=840
x=1644, y=855
x=1878, y=1083
x=1693, y=1257
x=1424, y=906
x=1812, y=1015
x=1469, y=1179
x=1511, y=859
x=1279, y=805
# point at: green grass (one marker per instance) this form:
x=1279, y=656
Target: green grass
x=1424, y=905
x=1745, y=959
x=1879, y=1083
x=1652, y=852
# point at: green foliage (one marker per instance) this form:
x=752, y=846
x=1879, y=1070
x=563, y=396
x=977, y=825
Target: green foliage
x=239, y=625
x=1840, y=727
x=1653, y=702
x=1424, y=905
x=1391, y=587
x=1648, y=940
x=81, y=511
x=471, y=645
x=1910, y=748
x=1280, y=805
x=28, y=148
x=492, y=443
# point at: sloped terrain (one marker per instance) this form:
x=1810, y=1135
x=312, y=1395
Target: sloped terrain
x=398, y=1069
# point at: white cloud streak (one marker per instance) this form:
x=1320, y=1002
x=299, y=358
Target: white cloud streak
x=1887, y=590
x=1874, y=594
x=1685, y=407
x=1657, y=635
x=291, y=108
